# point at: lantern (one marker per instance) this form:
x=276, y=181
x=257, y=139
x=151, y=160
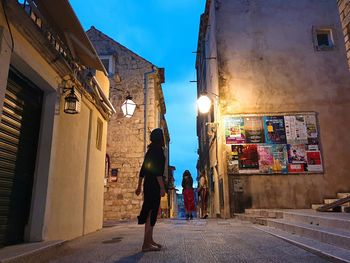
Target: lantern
x=71, y=102
x=128, y=107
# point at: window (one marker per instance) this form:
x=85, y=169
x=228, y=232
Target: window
x=105, y=63
x=323, y=39
x=99, y=132
x=109, y=64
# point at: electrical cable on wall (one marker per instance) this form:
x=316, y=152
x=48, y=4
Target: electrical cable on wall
x=4, y=4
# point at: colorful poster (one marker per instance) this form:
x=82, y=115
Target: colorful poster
x=280, y=158
x=274, y=130
x=265, y=159
x=254, y=130
x=314, y=161
x=296, y=131
x=296, y=153
x=232, y=158
x=296, y=158
x=296, y=168
x=311, y=127
x=272, y=144
x=248, y=159
x=234, y=130
x=312, y=147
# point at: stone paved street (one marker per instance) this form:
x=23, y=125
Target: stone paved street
x=184, y=241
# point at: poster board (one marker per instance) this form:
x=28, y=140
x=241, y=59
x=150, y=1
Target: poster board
x=270, y=144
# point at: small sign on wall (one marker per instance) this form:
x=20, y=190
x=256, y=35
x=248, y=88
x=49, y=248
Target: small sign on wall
x=114, y=175
x=237, y=185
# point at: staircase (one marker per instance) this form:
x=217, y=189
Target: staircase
x=339, y=204
x=326, y=234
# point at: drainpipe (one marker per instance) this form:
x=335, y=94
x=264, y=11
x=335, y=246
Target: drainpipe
x=145, y=79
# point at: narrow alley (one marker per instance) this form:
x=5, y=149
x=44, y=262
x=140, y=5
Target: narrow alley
x=213, y=240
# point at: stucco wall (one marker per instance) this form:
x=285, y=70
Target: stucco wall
x=75, y=198
x=267, y=63
x=68, y=178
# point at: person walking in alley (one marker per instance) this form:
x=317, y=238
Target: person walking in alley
x=203, y=195
x=188, y=194
x=153, y=188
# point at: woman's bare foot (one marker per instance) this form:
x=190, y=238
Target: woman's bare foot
x=150, y=247
x=156, y=244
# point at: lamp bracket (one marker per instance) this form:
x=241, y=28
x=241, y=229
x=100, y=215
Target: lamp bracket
x=212, y=126
x=65, y=90
x=205, y=92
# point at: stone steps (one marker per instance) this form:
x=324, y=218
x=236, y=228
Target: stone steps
x=328, y=235
x=329, y=252
x=253, y=219
x=315, y=231
x=342, y=195
x=316, y=220
x=268, y=213
x=343, y=208
x=328, y=201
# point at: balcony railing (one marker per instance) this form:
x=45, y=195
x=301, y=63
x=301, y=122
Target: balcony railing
x=54, y=40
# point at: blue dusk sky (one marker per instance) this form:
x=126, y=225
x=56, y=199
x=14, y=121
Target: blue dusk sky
x=165, y=33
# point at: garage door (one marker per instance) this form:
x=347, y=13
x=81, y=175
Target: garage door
x=19, y=131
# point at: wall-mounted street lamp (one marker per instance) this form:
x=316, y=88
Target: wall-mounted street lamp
x=204, y=104
x=71, y=102
x=128, y=107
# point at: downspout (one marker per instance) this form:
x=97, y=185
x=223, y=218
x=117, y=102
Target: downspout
x=145, y=79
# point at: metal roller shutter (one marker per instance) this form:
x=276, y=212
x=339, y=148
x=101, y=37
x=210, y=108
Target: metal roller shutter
x=19, y=129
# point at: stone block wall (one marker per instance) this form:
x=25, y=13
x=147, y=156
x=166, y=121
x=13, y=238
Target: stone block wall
x=344, y=12
x=125, y=141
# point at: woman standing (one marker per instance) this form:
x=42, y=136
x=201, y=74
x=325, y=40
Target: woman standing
x=153, y=188
x=188, y=194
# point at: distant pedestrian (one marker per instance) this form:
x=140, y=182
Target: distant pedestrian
x=203, y=194
x=188, y=194
x=153, y=188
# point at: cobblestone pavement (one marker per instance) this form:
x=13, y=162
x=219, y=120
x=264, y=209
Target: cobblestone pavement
x=184, y=241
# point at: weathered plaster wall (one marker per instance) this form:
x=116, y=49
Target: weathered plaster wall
x=67, y=195
x=75, y=202
x=94, y=180
x=267, y=63
x=213, y=86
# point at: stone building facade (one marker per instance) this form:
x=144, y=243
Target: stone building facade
x=128, y=138
x=258, y=59
x=344, y=12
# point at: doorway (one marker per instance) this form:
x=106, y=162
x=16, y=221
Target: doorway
x=19, y=134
